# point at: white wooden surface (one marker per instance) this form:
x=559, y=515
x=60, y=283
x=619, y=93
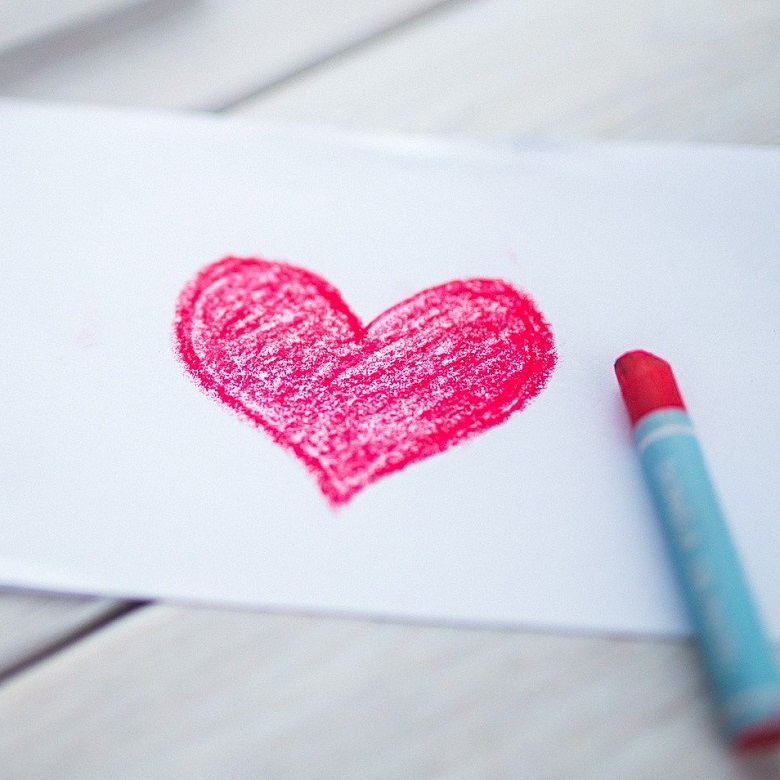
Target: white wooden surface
x=706, y=70
x=201, y=54
x=23, y=22
x=174, y=692
x=31, y=624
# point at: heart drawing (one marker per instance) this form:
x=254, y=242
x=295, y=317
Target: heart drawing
x=278, y=345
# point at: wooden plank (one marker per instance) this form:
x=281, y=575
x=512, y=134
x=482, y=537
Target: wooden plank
x=177, y=693
x=177, y=54
x=163, y=53
x=693, y=70
x=34, y=623
x=21, y=22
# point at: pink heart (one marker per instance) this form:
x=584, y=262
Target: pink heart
x=278, y=345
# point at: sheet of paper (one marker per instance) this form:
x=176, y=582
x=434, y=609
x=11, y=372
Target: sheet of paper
x=120, y=476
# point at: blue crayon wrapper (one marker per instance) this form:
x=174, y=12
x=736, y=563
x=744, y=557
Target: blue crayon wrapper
x=736, y=651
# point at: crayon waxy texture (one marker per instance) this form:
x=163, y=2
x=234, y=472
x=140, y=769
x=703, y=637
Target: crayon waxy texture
x=278, y=345
x=647, y=384
x=735, y=647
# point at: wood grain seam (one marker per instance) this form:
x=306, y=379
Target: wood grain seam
x=342, y=52
x=121, y=610
x=98, y=30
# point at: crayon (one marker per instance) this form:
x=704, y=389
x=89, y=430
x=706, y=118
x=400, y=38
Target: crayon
x=735, y=649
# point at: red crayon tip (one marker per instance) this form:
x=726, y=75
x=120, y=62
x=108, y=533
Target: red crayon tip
x=647, y=384
x=762, y=737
